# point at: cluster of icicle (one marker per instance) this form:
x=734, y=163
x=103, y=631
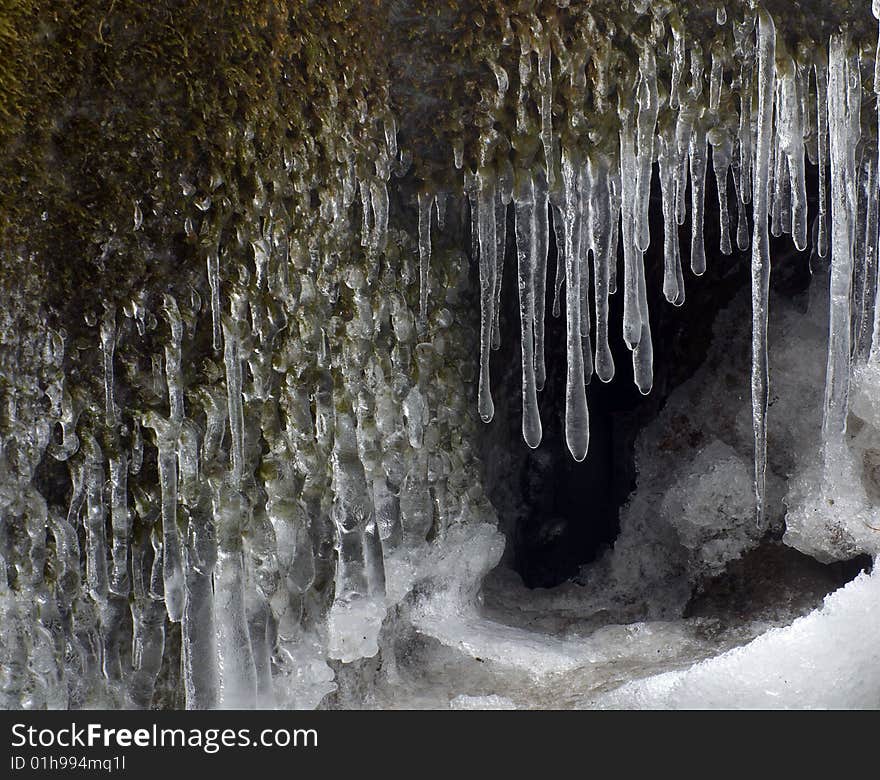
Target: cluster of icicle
x=235, y=492
x=764, y=109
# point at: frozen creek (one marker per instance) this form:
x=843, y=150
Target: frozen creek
x=254, y=357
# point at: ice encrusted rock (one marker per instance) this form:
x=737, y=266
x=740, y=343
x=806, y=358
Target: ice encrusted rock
x=711, y=508
x=834, y=509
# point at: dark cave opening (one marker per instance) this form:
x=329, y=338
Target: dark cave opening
x=559, y=515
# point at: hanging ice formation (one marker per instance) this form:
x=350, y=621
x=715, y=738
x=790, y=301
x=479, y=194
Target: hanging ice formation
x=753, y=111
x=260, y=421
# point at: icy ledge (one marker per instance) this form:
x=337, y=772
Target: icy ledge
x=827, y=659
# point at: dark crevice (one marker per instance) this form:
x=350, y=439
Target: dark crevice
x=770, y=581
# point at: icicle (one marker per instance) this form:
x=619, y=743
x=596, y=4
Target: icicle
x=559, y=235
x=643, y=353
x=648, y=101
x=121, y=524
x=96, y=532
x=698, y=153
x=602, y=227
x=67, y=556
x=874, y=352
x=867, y=309
x=542, y=246
x=488, y=249
x=147, y=607
x=616, y=192
x=577, y=421
x=545, y=80
x=108, y=346
x=875, y=11
x=424, y=202
x=526, y=254
x=213, y=261
x=355, y=616
x=172, y=559
x=199, y=632
x=874, y=356
x=632, y=324
x=216, y=410
x=636, y=326
x=585, y=244
x=744, y=135
x=863, y=175
x=673, y=279
x=716, y=72
x=390, y=127
x=843, y=143
x=677, y=63
x=802, y=80
x=742, y=221
x=501, y=242
x=779, y=168
x=761, y=251
x=790, y=124
x=173, y=359
x=471, y=187
x=684, y=129
x=68, y=414
x=379, y=202
x=232, y=360
x=821, y=72
x=238, y=673
x=721, y=153
x=366, y=212
x=440, y=205
x=721, y=15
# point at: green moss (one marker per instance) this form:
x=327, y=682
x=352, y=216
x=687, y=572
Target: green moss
x=106, y=104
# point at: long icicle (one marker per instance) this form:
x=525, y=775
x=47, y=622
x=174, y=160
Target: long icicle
x=585, y=245
x=632, y=324
x=874, y=352
x=842, y=151
x=864, y=333
x=790, y=122
x=559, y=236
x=488, y=248
x=526, y=256
x=542, y=246
x=721, y=154
x=545, y=81
x=577, y=420
x=501, y=203
x=673, y=279
x=761, y=252
x=424, y=203
x=603, y=225
x=698, y=154
x=820, y=69
x=646, y=123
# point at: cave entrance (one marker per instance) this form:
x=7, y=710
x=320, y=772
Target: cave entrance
x=559, y=515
